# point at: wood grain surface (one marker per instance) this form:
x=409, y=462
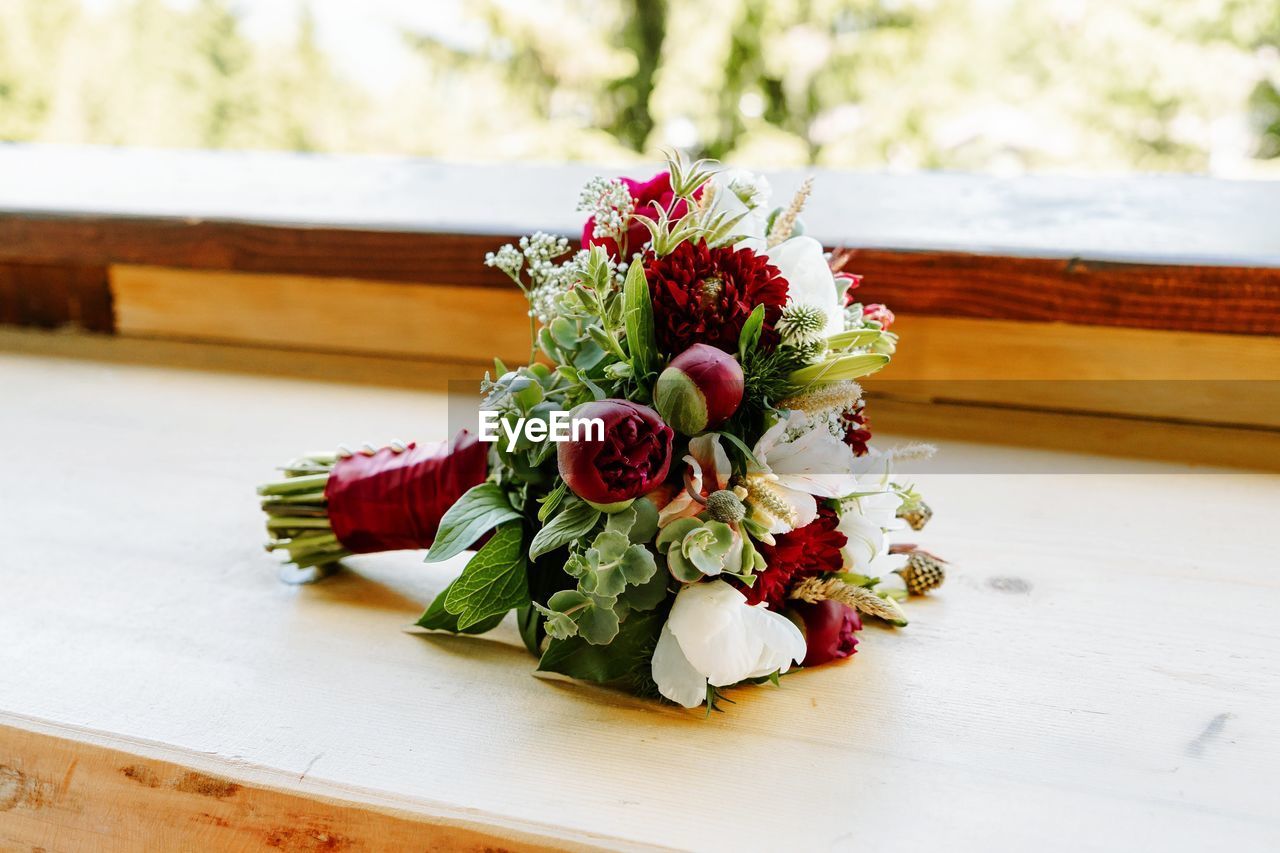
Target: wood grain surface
x=1099, y=672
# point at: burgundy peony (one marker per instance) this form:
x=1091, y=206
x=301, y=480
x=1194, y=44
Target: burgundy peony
x=648, y=196
x=704, y=295
x=632, y=459
x=830, y=630
x=810, y=550
x=699, y=390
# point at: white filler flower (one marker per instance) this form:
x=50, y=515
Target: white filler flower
x=714, y=637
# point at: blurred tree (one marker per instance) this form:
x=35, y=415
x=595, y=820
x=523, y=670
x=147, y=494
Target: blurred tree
x=984, y=85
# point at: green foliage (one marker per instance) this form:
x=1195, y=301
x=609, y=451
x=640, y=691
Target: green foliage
x=573, y=522
x=627, y=657
x=480, y=509
x=638, y=321
x=1128, y=84
x=840, y=367
x=493, y=582
x=437, y=618
x=749, y=337
x=1102, y=85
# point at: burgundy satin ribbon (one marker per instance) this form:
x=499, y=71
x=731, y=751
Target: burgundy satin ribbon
x=394, y=501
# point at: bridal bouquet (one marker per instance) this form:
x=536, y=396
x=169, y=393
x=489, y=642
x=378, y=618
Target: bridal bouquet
x=677, y=493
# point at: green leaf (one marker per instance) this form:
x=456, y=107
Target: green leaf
x=480, y=509
x=551, y=500
x=529, y=620
x=438, y=619
x=747, y=455
x=649, y=594
x=573, y=522
x=631, y=648
x=638, y=321
x=840, y=367
x=749, y=337
x=493, y=582
x=853, y=338
x=598, y=622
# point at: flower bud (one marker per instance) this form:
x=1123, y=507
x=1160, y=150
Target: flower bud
x=829, y=630
x=699, y=390
x=632, y=459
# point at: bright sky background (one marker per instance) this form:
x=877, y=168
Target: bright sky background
x=361, y=37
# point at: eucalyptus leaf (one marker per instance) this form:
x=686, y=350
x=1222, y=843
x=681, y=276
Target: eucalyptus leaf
x=480, y=509
x=597, y=622
x=631, y=649
x=573, y=522
x=493, y=582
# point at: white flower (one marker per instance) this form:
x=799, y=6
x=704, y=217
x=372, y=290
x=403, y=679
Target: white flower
x=742, y=193
x=866, y=520
x=714, y=637
x=809, y=279
x=795, y=462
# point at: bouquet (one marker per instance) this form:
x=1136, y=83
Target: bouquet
x=677, y=493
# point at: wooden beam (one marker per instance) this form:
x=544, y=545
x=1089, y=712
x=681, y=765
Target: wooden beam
x=51, y=296
x=445, y=322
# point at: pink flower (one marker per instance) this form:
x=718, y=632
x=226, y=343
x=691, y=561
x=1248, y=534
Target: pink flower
x=648, y=196
x=708, y=471
x=878, y=313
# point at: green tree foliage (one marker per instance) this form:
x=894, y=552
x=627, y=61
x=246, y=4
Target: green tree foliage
x=984, y=85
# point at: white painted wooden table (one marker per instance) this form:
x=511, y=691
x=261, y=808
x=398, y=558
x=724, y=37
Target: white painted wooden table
x=1100, y=673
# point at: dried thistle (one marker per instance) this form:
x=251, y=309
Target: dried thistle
x=860, y=598
x=786, y=221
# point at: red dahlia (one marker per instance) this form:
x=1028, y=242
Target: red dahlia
x=808, y=551
x=704, y=296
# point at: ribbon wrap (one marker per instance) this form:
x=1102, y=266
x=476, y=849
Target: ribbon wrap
x=394, y=501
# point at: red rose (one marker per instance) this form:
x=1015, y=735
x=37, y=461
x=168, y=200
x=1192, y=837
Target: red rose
x=648, y=197
x=704, y=295
x=632, y=459
x=829, y=630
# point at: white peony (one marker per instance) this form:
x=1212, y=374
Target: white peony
x=794, y=461
x=809, y=279
x=714, y=637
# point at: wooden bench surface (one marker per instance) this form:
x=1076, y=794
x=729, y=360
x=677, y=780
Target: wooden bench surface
x=1099, y=673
